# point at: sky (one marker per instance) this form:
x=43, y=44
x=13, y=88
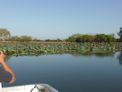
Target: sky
x=52, y=19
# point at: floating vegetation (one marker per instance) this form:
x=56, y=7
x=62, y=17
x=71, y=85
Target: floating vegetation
x=38, y=48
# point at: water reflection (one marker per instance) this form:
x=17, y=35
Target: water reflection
x=110, y=54
x=67, y=73
x=7, y=57
x=119, y=56
x=106, y=54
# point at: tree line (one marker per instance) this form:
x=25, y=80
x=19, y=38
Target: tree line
x=91, y=38
x=5, y=35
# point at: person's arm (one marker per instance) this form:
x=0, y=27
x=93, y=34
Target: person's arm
x=6, y=67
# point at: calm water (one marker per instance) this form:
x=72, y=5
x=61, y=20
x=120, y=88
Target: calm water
x=70, y=73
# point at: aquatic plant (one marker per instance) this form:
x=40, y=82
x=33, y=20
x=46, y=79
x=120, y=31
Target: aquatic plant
x=37, y=48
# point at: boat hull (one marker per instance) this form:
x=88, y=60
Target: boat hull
x=30, y=88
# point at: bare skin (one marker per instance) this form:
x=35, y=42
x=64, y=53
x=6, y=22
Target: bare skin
x=7, y=68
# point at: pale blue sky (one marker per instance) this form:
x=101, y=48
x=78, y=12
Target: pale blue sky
x=60, y=18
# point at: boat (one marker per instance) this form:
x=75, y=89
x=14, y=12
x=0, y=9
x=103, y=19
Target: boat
x=30, y=88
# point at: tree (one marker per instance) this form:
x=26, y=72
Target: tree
x=21, y=38
x=4, y=34
x=15, y=38
x=74, y=38
x=104, y=38
x=91, y=38
x=110, y=38
x=120, y=34
x=26, y=38
x=87, y=38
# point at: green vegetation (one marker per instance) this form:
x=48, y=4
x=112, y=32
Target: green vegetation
x=21, y=38
x=37, y=48
x=77, y=43
x=91, y=38
x=5, y=35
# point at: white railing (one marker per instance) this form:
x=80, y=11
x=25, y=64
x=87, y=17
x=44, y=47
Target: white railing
x=1, y=87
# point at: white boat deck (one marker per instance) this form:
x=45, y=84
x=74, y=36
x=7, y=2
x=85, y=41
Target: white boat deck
x=30, y=88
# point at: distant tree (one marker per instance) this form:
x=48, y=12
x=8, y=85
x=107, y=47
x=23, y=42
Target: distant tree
x=80, y=38
x=4, y=34
x=53, y=40
x=21, y=38
x=47, y=40
x=120, y=34
x=100, y=38
x=91, y=38
x=15, y=38
x=87, y=38
x=74, y=38
x=58, y=40
x=110, y=38
x=104, y=38
x=26, y=38
x=35, y=39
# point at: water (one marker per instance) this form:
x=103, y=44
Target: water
x=70, y=73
